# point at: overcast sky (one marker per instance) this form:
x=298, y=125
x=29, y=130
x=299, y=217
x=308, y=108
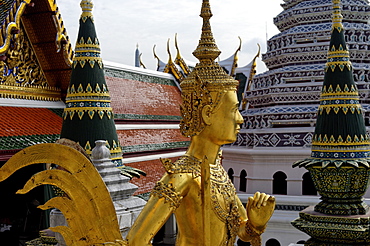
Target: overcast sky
x=122, y=24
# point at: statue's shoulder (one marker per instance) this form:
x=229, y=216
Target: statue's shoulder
x=185, y=164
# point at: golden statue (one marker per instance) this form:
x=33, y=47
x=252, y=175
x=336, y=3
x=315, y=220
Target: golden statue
x=196, y=188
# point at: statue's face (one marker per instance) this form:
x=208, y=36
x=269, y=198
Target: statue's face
x=225, y=122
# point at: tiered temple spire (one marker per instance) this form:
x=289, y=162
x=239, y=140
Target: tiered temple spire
x=340, y=136
x=339, y=162
x=88, y=115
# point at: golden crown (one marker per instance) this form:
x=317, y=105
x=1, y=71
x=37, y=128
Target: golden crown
x=207, y=76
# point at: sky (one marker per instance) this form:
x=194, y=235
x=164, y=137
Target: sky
x=121, y=25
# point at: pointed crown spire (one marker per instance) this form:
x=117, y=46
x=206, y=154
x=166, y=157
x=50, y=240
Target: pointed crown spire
x=207, y=49
x=207, y=76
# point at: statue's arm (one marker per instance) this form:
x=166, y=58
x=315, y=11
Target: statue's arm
x=254, y=218
x=164, y=200
x=244, y=233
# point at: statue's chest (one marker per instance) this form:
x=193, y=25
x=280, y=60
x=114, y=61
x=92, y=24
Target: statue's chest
x=222, y=192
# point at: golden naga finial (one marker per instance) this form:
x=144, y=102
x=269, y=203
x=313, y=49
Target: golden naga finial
x=141, y=62
x=235, y=62
x=178, y=55
x=207, y=76
x=169, y=52
x=179, y=61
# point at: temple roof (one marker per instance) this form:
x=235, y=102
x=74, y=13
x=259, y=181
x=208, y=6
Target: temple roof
x=142, y=95
x=22, y=127
x=37, y=29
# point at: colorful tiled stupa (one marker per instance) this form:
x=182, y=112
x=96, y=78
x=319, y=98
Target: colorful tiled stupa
x=283, y=105
x=340, y=158
x=286, y=95
x=88, y=115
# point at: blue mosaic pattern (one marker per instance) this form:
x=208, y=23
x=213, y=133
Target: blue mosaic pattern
x=84, y=104
x=281, y=110
x=339, y=155
x=286, y=139
x=338, y=59
x=339, y=102
x=87, y=54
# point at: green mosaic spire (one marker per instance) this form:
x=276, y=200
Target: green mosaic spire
x=88, y=115
x=340, y=135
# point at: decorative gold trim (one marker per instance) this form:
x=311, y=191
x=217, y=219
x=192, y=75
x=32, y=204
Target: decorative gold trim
x=87, y=95
x=22, y=76
x=89, y=91
x=91, y=61
x=62, y=39
x=254, y=234
x=90, y=111
x=339, y=91
x=13, y=21
x=185, y=164
x=87, y=100
x=168, y=193
x=324, y=140
x=88, y=44
x=30, y=93
x=352, y=108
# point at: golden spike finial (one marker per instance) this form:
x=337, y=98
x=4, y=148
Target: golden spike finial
x=86, y=5
x=207, y=49
x=337, y=16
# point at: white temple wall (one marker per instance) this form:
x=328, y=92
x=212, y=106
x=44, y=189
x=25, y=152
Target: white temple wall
x=262, y=164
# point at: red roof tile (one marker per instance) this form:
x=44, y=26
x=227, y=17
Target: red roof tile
x=20, y=121
x=154, y=170
x=149, y=136
x=143, y=98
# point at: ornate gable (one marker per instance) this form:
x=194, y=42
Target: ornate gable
x=35, y=52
